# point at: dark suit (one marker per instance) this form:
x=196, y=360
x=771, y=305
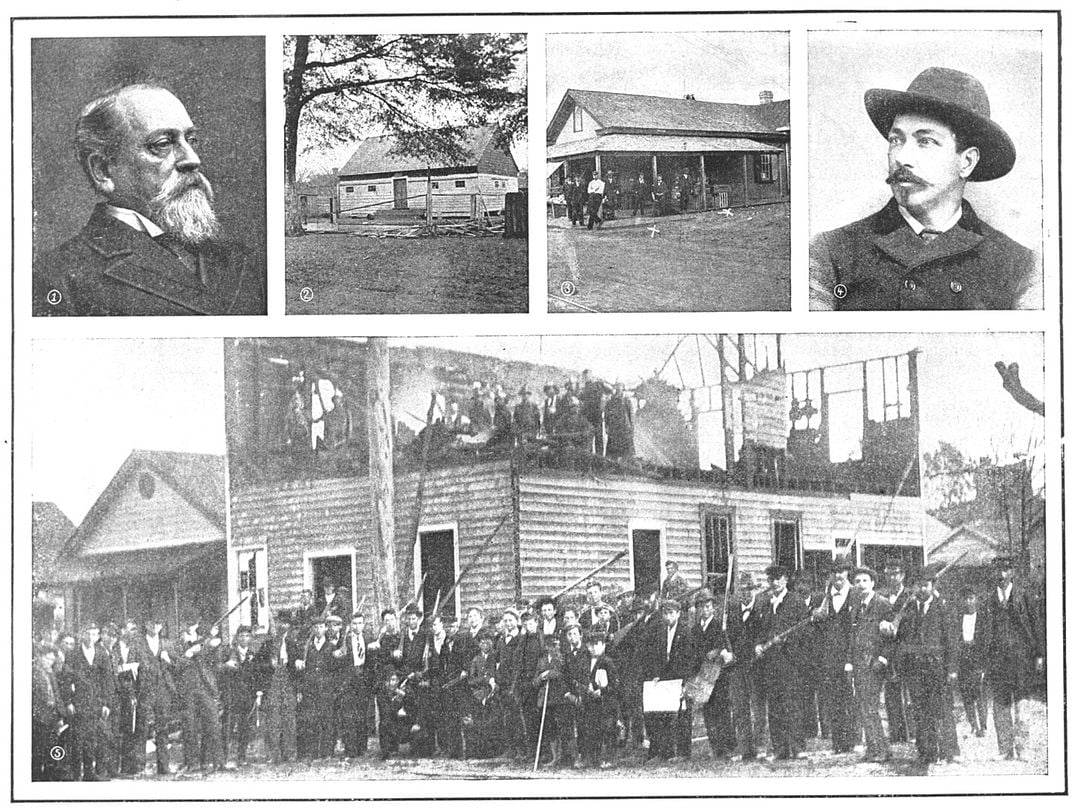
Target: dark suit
x=670, y=734
x=867, y=646
x=596, y=728
x=971, y=670
x=1014, y=639
x=316, y=707
x=747, y=699
x=275, y=661
x=834, y=636
x=240, y=681
x=928, y=645
x=880, y=263
x=195, y=681
x=507, y=675
x=89, y=687
x=718, y=719
x=895, y=695
x=780, y=672
x=110, y=268
x=47, y=716
x=156, y=695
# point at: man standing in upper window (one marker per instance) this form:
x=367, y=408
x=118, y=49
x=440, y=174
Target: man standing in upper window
x=928, y=249
x=154, y=246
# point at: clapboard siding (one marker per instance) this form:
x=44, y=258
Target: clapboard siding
x=571, y=524
x=447, y=198
x=568, y=524
x=313, y=517
x=167, y=519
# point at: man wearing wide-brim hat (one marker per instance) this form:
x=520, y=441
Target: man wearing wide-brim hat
x=927, y=248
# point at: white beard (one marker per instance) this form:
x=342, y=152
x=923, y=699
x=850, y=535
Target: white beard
x=183, y=208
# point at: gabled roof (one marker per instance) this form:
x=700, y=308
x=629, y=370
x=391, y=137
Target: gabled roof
x=51, y=529
x=626, y=111
x=980, y=546
x=379, y=155
x=197, y=477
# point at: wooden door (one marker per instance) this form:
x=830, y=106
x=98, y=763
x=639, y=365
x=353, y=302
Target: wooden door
x=401, y=193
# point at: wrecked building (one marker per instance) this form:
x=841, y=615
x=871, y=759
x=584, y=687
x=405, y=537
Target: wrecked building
x=787, y=467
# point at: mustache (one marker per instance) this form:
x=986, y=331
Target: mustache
x=903, y=175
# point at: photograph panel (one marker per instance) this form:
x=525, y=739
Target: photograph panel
x=406, y=170
x=929, y=144
x=668, y=182
x=148, y=176
x=500, y=558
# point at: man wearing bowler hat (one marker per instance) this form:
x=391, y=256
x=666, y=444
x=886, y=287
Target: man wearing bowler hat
x=927, y=248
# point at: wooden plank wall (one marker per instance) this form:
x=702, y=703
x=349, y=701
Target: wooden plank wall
x=571, y=523
x=448, y=200
x=293, y=519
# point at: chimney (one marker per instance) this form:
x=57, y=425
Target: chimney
x=766, y=97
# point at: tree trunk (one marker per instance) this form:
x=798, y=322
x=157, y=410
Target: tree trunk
x=293, y=98
x=381, y=474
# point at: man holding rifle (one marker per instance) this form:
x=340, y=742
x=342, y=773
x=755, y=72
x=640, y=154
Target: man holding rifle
x=195, y=679
x=870, y=654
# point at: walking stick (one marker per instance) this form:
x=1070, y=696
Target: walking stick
x=543, y=719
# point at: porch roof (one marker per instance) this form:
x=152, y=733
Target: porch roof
x=621, y=142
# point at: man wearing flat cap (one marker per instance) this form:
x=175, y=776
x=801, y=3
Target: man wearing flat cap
x=153, y=245
x=927, y=248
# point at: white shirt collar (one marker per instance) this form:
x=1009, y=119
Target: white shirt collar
x=134, y=220
x=918, y=227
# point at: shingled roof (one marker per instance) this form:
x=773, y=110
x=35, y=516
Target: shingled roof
x=380, y=155
x=629, y=112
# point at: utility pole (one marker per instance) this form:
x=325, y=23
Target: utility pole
x=381, y=473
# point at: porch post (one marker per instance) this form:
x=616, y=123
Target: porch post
x=654, y=170
x=744, y=174
x=703, y=182
x=599, y=168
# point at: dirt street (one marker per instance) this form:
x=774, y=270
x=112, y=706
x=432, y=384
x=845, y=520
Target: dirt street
x=715, y=261
x=979, y=757
x=339, y=273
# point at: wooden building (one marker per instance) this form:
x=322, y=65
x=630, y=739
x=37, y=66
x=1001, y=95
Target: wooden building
x=379, y=177
x=723, y=155
x=155, y=539
x=530, y=519
x=50, y=531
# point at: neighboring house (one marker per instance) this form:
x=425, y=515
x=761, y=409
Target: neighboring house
x=564, y=512
x=51, y=529
x=722, y=154
x=155, y=539
x=378, y=177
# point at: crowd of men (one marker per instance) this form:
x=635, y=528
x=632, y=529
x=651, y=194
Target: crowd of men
x=554, y=682
x=586, y=414
x=601, y=197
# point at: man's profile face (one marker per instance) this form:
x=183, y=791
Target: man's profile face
x=925, y=167
x=156, y=170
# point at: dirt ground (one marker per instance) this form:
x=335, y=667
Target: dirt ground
x=347, y=274
x=706, y=262
x=979, y=757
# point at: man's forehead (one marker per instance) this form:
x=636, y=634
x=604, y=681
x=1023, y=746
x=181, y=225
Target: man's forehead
x=148, y=109
x=915, y=123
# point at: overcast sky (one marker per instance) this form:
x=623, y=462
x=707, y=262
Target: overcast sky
x=96, y=400
x=726, y=66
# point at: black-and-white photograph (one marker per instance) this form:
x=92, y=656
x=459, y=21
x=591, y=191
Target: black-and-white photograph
x=406, y=172
x=554, y=557
x=148, y=176
x=668, y=171
x=926, y=169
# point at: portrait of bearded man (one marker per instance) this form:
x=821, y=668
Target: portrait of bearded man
x=153, y=244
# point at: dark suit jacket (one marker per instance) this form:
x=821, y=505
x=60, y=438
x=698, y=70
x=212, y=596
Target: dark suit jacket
x=882, y=264
x=867, y=643
x=1013, y=635
x=88, y=686
x=782, y=659
x=743, y=636
x=932, y=638
x=267, y=658
x=834, y=632
x=110, y=268
x=682, y=661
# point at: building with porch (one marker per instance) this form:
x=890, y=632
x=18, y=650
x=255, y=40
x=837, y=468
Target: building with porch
x=380, y=178
x=714, y=154
x=155, y=540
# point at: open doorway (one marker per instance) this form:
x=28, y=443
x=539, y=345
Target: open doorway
x=438, y=559
x=337, y=568
x=647, y=560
